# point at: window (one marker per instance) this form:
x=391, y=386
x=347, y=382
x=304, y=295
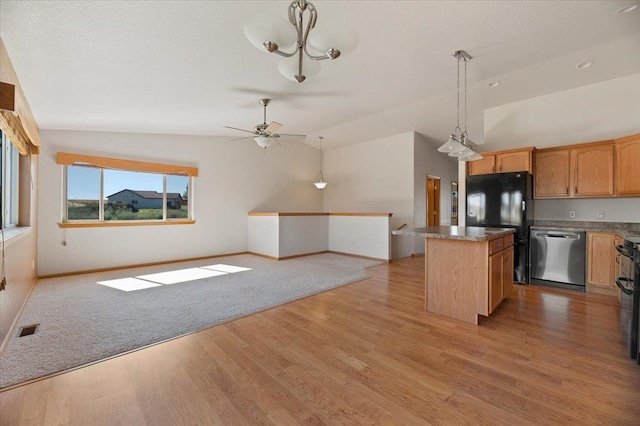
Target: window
x=9, y=182
x=126, y=191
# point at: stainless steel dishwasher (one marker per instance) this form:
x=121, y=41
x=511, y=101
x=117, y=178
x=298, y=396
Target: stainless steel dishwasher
x=558, y=258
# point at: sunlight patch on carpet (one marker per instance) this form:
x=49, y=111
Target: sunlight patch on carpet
x=128, y=284
x=142, y=282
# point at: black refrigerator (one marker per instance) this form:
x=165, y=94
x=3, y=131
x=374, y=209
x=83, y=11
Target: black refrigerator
x=504, y=200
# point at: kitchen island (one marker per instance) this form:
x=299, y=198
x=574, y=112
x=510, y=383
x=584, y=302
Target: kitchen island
x=468, y=270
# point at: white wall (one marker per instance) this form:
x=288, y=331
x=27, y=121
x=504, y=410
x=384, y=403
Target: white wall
x=235, y=178
x=428, y=161
x=368, y=236
x=374, y=177
x=606, y=110
x=303, y=234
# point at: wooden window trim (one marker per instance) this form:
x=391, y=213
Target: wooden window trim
x=69, y=159
x=110, y=223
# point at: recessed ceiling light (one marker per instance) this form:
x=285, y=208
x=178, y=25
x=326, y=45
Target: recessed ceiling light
x=584, y=64
x=493, y=83
x=626, y=9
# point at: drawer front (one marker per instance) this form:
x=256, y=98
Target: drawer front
x=508, y=240
x=496, y=245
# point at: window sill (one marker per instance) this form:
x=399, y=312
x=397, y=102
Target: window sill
x=111, y=223
x=15, y=233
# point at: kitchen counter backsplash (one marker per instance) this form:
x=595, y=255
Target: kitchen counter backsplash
x=621, y=227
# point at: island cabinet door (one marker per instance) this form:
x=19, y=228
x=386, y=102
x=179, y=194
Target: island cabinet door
x=507, y=271
x=496, y=274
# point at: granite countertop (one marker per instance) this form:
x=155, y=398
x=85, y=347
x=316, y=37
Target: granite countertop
x=467, y=233
x=622, y=229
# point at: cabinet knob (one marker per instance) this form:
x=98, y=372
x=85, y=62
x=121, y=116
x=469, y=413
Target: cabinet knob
x=506, y=258
x=576, y=190
x=567, y=190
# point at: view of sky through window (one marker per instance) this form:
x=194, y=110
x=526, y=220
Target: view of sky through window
x=84, y=182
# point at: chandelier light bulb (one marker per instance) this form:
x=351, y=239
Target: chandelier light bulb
x=289, y=68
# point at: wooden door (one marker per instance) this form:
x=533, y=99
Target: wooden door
x=600, y=259
x=593, y=170
x=552, y=174
x=519, y=161
x=433, y=201
x=628, y=165
x=486, y=165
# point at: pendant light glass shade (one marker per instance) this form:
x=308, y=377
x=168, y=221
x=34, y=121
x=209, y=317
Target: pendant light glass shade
x=471, y=156
x=289, y=67
x=452, y=145
x=320, y=184
x=265, y=27
x=333, y=33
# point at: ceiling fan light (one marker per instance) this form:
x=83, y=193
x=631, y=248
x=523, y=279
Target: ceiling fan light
x=289, y=68
x=268, y=28
x=263, y=141
x=333, y=34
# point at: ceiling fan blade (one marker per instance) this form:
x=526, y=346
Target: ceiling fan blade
x=273, y=127
x=242, y=130
x=293, y=135
x=241, y=139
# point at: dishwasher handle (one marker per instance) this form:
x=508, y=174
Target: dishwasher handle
x=556, y=234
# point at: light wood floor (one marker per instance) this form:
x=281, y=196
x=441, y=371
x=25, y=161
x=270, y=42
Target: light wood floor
x=365, y=353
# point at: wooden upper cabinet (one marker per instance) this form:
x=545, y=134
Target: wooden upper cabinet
x=551, y=176
x=513, y=160
x=592, y=170
x=628, y=165
x=484, y=166
x=584, y=170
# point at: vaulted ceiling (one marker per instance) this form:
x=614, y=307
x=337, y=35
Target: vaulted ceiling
x=185, y=67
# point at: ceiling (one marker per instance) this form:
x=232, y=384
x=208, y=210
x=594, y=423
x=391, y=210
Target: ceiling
x=185, y=67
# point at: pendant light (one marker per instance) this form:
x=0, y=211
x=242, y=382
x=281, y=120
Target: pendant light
x=299, y=41
x=459, y=144
x=320, y=183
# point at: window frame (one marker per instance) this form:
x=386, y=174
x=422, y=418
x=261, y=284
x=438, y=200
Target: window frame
x=10, y=169
x=103, y=163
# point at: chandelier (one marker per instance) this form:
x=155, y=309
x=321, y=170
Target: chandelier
x=459, y=144
x=320, y=183
x=295, y=41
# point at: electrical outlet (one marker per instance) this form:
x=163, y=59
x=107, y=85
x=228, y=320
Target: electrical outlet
x=600, y=214
x=572, y=214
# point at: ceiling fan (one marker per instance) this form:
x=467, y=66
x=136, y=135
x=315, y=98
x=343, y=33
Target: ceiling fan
x=264, y=134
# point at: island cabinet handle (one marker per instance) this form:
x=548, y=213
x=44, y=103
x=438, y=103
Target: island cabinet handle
x=506, y=258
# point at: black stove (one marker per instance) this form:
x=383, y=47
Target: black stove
x=629, y=284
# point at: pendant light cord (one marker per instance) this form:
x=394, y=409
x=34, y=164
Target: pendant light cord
x=458, y=88
x=465, y=94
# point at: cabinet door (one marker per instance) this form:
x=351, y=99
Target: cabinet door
x=617, y=262
x=483, y=166
x=513, y=162
x=627, y=166
x=600, y=259
x=507, y=271
x=593, y=171
x=552, y=174
x=496, y=272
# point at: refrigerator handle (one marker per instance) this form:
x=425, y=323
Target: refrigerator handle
x=523, y=205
